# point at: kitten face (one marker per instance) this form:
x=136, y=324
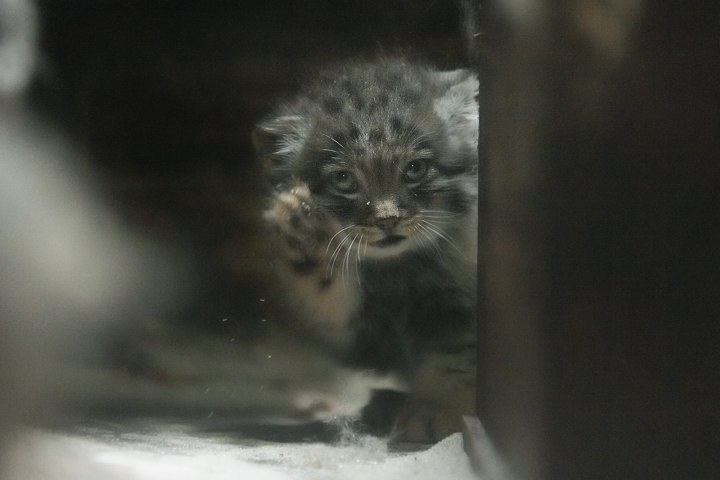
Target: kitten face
x=388, y=187
x=388, y=151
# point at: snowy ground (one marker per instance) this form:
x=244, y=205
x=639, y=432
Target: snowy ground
x=107, y=454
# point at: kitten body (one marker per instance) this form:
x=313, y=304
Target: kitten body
x=374, y=209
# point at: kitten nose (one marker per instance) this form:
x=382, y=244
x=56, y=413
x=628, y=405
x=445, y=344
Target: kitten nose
x=386, y=213
x=387, y=223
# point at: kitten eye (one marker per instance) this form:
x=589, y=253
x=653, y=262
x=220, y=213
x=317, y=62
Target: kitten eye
x=416, y=170
x=343, y=181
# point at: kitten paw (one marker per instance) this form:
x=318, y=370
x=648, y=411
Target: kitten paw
x=294, y=216
x=316, y=405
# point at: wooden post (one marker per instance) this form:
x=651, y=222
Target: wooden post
x=600, y=304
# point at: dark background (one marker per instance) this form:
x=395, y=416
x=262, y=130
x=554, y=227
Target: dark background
x=167, y=85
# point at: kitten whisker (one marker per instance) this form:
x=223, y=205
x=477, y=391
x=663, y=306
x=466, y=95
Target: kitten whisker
x=436, y=218
x=425, y=235
x=346, y=261
x=358, y=260
x=338, y=143
x=327, y=249
x=417, y=137
x=443, y=213
x=437, y=231
x=335, y=254
x=335, y=157
x=436, y=215
x=415, y=132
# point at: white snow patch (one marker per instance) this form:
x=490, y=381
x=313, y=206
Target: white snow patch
x=179, y=456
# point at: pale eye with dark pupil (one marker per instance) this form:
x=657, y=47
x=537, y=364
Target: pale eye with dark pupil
x=343, y=181
x=415, y=171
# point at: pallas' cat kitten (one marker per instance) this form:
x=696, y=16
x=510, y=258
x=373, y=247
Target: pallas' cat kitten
x=374, y=175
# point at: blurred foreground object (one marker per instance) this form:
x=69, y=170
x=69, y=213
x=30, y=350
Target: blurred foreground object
x=68, y=268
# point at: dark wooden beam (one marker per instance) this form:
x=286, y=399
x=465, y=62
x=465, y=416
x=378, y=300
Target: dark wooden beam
x=600, y=305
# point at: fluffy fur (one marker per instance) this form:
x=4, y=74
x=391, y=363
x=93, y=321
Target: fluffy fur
x=374, y=169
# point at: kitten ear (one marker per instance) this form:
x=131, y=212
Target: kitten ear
x=457, y=106
x=279, y=139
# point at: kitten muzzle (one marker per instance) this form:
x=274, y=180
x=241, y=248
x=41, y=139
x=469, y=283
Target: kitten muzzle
x=390, y=240
x=386, y=223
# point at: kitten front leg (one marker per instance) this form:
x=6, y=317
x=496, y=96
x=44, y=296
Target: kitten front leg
x=302, y=259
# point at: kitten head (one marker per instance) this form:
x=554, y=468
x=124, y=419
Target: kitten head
x=389, y=150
